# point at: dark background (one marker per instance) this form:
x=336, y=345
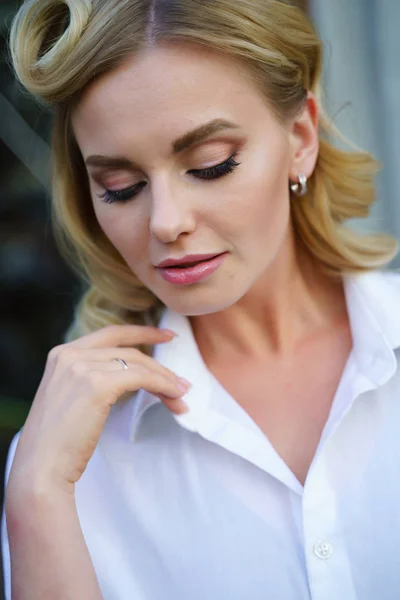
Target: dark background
x=37, y=290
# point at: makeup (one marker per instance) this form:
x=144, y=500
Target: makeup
x=190, y=269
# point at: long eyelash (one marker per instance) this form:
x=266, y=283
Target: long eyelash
x=121, y=195
x=215, y=172
x=218, y=170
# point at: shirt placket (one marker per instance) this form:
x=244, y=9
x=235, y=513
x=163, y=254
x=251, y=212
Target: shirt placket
x=328, y=568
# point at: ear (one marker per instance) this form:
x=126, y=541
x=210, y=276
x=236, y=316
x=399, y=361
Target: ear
x=304, y=140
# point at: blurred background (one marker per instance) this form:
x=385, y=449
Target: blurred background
x=38, y=291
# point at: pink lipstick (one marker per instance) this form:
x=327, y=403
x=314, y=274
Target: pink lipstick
x=191, y=268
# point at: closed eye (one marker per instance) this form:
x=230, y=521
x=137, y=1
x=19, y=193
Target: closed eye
x=214, y=172
x=217, y=171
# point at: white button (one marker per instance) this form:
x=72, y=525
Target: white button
x=323, y=550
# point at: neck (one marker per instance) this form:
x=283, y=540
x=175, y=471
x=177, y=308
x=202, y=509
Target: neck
x=294, y=299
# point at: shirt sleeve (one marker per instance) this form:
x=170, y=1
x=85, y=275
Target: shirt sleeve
x=5, y=549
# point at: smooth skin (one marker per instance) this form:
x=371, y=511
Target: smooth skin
x=262, y=321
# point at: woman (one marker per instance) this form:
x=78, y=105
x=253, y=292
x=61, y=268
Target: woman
x=222, y=421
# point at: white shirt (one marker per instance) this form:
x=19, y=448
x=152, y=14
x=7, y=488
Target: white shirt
x=201, y=506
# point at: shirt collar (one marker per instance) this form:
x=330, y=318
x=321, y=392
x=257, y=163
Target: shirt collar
x=373, y=301
x=183, y=357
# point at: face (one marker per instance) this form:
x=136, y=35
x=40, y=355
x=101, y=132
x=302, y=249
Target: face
x=215, y=201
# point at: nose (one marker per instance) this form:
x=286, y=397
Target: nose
x=171, y=213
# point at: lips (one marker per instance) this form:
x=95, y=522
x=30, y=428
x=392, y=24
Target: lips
x=186, y=265
x=187, y=261
x=191, y=269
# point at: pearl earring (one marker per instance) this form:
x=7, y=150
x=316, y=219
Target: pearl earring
x=299, y=188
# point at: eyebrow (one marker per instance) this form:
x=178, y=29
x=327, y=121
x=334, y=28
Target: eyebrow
x=188, y=140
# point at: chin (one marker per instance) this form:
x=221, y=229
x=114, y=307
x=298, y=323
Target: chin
x=212, y=295
x=194, y=303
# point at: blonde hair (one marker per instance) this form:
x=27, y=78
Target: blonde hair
x=59, y=47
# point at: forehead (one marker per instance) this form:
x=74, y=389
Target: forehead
x=165, y=91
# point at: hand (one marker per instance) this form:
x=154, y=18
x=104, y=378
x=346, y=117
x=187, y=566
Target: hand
x=81, y=382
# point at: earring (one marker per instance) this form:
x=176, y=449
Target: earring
x=299, y=188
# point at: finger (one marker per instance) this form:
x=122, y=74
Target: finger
x=175, y=404
x=130, y=380
x=130, y=355
x=124, y=335
x=72, y=361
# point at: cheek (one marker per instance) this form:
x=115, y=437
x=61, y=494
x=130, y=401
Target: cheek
x=271, y=206
x=123, y=225
x=259, y=202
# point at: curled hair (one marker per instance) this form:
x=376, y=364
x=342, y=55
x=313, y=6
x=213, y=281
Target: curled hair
x=59, y=47
x=43, y=39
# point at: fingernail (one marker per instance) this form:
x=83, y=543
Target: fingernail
x=169, y=332
x=184, y=407
x=183, y=386
x=185, y=382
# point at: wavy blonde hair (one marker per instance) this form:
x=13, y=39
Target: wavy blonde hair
x=60, y=46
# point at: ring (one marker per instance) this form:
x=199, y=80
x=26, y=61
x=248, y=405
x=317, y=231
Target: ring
x=123, y=363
